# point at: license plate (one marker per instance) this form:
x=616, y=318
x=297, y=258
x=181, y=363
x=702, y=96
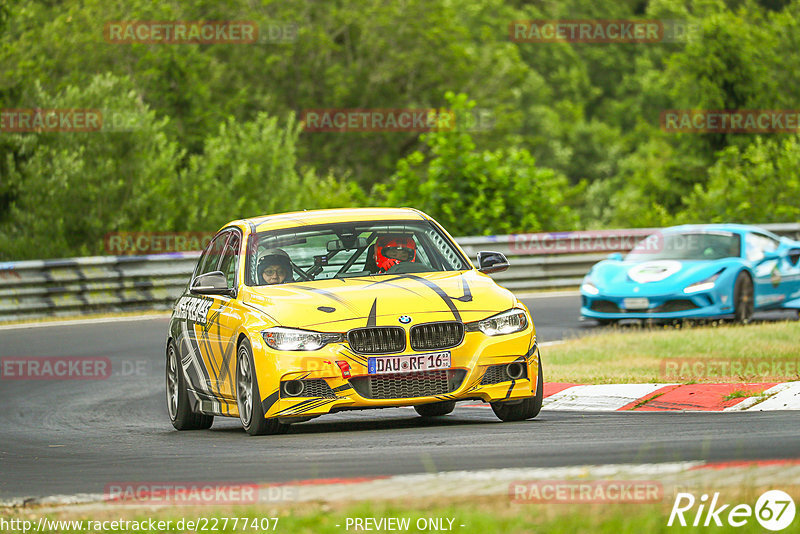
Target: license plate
x=378, y=365
x=636, y=303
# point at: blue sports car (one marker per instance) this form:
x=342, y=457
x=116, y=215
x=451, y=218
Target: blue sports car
x=696, y=271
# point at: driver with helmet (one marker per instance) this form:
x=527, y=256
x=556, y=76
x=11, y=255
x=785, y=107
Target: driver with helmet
x=274, y=267
x=393, y=249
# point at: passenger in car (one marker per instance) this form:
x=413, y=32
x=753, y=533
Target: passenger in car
x=274, y=267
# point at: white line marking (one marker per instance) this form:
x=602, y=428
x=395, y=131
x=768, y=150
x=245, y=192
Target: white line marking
x=750, y=401
x=78, y=322
x=787, y=398
x=603, y=398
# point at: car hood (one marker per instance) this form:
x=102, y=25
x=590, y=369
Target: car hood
x=337, y=305
x=651, y=277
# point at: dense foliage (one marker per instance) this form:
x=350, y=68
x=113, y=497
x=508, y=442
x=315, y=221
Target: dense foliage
x=206, y=133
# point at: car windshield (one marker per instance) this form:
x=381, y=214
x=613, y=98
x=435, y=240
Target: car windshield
x=687, y=246
x=346, y=250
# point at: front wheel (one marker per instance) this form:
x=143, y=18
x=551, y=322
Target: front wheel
x=248, y=398
x=180, y=412
x=528, y=408
x=743, y=298
x=435, y=409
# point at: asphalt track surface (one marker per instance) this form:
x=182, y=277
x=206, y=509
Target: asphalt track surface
x=68, y=437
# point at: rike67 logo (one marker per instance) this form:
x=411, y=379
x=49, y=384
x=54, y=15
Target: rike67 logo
x=774, y=510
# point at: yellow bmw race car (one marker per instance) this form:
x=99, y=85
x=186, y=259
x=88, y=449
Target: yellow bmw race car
x=288, y=317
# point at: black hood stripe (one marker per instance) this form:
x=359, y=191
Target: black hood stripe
x=467, y=297
x=327, y=294
x=436, y=289
x=373, y=314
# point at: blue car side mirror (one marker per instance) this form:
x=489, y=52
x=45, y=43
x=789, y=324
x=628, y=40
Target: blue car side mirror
x=770, y=255
x=616, y=256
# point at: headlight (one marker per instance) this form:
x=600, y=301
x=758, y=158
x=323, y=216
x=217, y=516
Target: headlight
x=507, y=322
x=590, y=288
x=703, y=285
x=280, y=338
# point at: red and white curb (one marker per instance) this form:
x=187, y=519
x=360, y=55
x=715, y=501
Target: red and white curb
x=670, y=397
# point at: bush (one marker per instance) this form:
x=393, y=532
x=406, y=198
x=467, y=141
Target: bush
x=478, y=193
x=66, y=190
x=249, y=169
x=758, y=184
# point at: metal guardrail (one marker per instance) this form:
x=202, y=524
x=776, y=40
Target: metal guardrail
x=69, y=287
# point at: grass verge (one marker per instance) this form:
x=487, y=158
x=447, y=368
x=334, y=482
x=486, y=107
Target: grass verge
x=764, y=352
x=463, y=516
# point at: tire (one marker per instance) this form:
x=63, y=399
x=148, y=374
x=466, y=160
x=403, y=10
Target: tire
x=435, y=409
x=178, y=407
x=248, y=397
x=606, y=322
x=527, y=409
x=743, y=298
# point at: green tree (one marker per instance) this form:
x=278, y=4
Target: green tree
x=70, y=188
x=757, y=184
x=250, y=169
x=474, y=192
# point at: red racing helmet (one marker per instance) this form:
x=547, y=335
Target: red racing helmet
x=396, y=246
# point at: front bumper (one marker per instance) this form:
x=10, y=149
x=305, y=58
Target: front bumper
x=679, y=305
x=467, y=377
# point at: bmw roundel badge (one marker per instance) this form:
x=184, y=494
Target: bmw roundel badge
x=405, y=319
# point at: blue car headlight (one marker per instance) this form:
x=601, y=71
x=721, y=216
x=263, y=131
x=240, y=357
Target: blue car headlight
x=280, y=338
x=703, y=285
x=589, y=287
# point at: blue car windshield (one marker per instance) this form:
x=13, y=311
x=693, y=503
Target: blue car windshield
x=687, y=246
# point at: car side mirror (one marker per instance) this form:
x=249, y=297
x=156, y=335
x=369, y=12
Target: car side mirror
x=616, y=256
x=770, y=255
x=492, y=262
x=213, y=283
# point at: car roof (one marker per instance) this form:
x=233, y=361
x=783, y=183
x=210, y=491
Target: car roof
x=718, y=227
x=312, y=217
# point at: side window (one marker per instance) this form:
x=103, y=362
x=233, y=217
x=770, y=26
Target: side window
x=757, y=244
x=230, y=259
x=210, y=259
x=769, y=243
x=443, y=252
